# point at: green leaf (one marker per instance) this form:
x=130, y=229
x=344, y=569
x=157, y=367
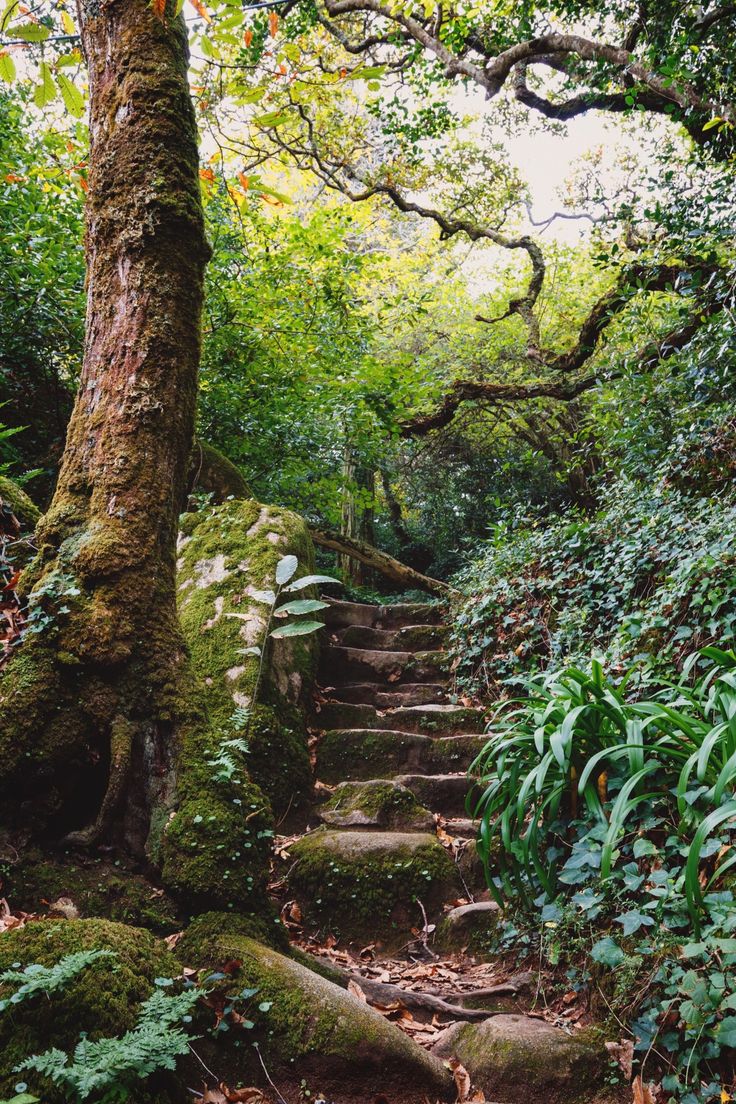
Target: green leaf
x=272, y=119
x=7, y=67
x=607, y=952
x=285, y=569
x=45, y=91
x=29, y=32
x=302, y=605
x=70, y=94
x=309, y=580
x=266, y=596
x=297, y=628
x=726, y=1032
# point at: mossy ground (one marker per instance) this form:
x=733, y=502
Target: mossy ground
x=102, y=1000
x=96, y=886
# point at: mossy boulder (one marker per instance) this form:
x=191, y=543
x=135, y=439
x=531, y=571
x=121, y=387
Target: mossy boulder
x=211, y=473
x=370, y=884
x=379, y=803
x=308, y=1028
x=250, y=759
x=469, y=927
x=102, y=1000
x=19, y=502
x=200, y=945
x=513, y=1057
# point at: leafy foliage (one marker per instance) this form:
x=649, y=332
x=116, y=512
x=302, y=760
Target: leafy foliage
x=109, y=1068
x=36, y=979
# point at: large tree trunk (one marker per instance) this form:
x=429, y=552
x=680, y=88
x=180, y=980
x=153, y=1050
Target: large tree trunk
x=95, y=701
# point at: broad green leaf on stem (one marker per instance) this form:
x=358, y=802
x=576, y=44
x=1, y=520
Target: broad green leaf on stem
x=7, y=67
x=285, y=569
x=309, y=580
x=607, y=952
x=29, y=32
x=302, y=605
x=70, y=94
x=45, y=91
x=297, y=628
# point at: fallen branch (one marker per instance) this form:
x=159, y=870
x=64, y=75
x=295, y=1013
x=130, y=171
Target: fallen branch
x=393, y=569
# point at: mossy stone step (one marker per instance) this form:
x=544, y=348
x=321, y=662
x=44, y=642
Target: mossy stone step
x=355, y=754
x=468, y=927
x=440, y=719
x=340, y=664
x=360, y=885
x=410, y=638
x=341, y=614
x=377, y=803
x=443, y=793
x=375, y=693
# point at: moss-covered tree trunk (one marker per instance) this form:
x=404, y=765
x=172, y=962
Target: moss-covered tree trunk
x=94, y=702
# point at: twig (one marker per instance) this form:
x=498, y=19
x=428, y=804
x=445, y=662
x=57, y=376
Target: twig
x=268, y=1075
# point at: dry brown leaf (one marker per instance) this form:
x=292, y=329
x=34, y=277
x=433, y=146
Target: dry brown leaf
x=623, y=1054
x=65, y=907
x=172, y=940
x=461, y=1078
x=642, y=1093
x=355, y=989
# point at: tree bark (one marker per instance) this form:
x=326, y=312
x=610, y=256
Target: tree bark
x=96, y=697
x=393, y=569
x=356, y=518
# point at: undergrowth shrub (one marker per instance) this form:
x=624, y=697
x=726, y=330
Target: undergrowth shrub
x=648, y=579
x=608, y=831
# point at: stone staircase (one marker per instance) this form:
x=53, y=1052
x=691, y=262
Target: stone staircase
x=392, y=755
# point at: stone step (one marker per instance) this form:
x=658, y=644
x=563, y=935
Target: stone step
x=369, y=885
x=442, y=793
x=358, y=754
x=376, y=694
x=370, y=665
x=463, y=827
x=376, y=803
x=429, y=720
x=410, y=638
x=341, y=614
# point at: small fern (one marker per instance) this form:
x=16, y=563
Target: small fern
x=109, y=1067
x=47, y=979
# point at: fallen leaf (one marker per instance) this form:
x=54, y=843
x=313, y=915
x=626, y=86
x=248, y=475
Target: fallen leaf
x=461, y=1078
x=642, y=1093
x=355, y=989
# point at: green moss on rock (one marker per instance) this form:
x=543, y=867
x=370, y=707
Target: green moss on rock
x=102, y=1000
x=378, y=803
x=301, y=1021
x=359, y=884
x=201, y=944
x=19, y=502
x=216, y=847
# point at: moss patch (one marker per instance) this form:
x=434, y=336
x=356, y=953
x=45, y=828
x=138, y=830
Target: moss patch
x=377, y=804
x=296, y=1017
x=201, y=944
x=246, y=763
x=359, y=884
x=96, y=887
x=102, y=1000
x=22, y=506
